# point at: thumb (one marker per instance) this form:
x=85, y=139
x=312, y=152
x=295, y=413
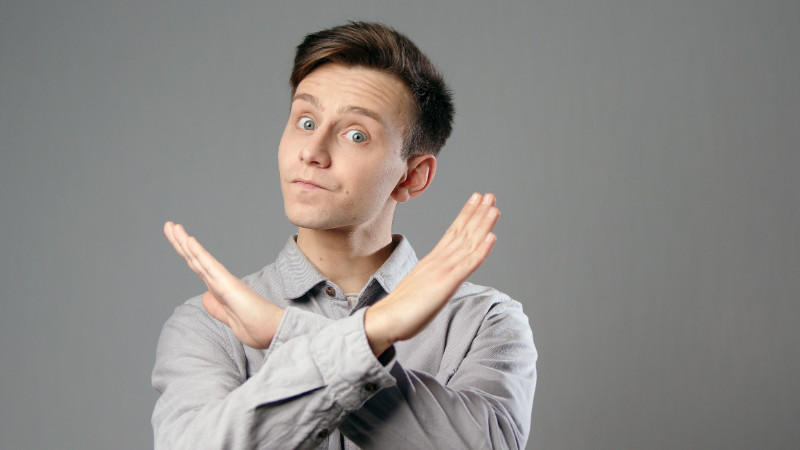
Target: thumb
x=214, y=307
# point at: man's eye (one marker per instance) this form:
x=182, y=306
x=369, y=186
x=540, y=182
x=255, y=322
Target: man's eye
x=356, y=136
x=306, y=124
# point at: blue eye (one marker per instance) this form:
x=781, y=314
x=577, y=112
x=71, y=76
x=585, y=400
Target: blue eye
x=306, y=124
x=356, y=136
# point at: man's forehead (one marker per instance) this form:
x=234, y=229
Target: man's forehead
x=356, y=88
x=302, y=96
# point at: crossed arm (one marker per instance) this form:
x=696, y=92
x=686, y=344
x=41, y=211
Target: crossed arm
x=400, y=316
x=486, y=400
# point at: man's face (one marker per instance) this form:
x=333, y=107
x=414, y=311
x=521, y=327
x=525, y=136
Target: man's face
x=340, y=154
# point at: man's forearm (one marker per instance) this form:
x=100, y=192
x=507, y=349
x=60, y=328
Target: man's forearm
x=305, y=388
x=422, y=294
x=315, y=378
x=486, y=403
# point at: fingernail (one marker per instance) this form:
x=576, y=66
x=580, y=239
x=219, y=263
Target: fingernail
x=474, y=198
x=487, y=199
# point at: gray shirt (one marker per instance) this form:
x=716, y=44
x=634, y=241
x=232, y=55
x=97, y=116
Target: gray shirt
x=466, y=381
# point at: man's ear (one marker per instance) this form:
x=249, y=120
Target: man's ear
x=419, y=174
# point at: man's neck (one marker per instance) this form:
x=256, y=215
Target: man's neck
x=348, y=259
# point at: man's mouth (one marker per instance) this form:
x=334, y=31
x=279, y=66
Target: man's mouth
x=307, y=184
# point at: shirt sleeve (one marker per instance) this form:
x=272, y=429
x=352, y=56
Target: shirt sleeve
x=303, y=391
x=486, y=403
x=320, y=375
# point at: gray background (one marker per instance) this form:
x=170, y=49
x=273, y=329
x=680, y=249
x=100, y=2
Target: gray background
x=645, y=155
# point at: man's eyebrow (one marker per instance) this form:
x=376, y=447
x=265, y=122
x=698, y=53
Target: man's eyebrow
x=364, y=112
x=346, y=109
x=307, y=97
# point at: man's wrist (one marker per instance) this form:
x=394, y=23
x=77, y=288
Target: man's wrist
x=374, y=328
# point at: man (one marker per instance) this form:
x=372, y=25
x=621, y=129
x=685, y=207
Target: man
x=346, y=340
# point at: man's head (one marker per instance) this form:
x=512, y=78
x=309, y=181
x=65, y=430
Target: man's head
x=368, y=114
x=378, y=47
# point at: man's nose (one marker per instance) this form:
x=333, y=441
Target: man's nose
x=316, y=150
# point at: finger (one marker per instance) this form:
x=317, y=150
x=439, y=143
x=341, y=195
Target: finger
x=483, y=220
x=477, y=211
x=169, y=232
x=178, y=237
x=463, y=233
x=216, y=277
x=463, y=218
x=210, y=270
x=182, y=238
x=487, y=203
x=190, y=254
x=470, y=263
x=471, y=227
x=487, y=223
x=484, y=249
x=467, y=211
x=207, y=262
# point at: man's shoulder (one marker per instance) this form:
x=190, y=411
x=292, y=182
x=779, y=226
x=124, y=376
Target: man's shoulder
x=474, y=305
x=484, y=297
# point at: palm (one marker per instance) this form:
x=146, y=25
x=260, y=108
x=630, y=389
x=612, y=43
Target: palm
x=251, y=317
x=426, y=289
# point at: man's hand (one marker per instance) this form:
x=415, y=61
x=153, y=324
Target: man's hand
x=251, y=317
x=400, y=316
x=427, y=288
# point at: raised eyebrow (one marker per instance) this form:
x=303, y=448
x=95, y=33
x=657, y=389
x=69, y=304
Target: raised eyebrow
x=346, y=109
x=309, y=98
x=364, y=112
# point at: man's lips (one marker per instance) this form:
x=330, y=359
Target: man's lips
x=307, y=184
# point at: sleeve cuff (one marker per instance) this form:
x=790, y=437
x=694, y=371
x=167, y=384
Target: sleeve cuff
x=345, y=360
x=297, y=322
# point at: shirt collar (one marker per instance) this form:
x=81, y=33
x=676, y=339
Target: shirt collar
x=300, y=276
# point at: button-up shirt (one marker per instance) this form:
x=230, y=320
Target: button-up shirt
x=465, y=381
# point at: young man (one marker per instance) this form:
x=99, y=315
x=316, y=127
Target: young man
x=346, y=340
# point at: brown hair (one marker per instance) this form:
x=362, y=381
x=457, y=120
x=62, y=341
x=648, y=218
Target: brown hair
x=377, y=46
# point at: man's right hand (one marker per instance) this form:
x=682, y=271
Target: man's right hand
x=251, y=317
x=426, y=289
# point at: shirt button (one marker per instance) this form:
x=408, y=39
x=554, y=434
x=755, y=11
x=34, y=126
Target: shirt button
x=322, y=434
x=371, y=387
x=330, y=291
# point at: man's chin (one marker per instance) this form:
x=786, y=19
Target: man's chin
x=311, y=223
